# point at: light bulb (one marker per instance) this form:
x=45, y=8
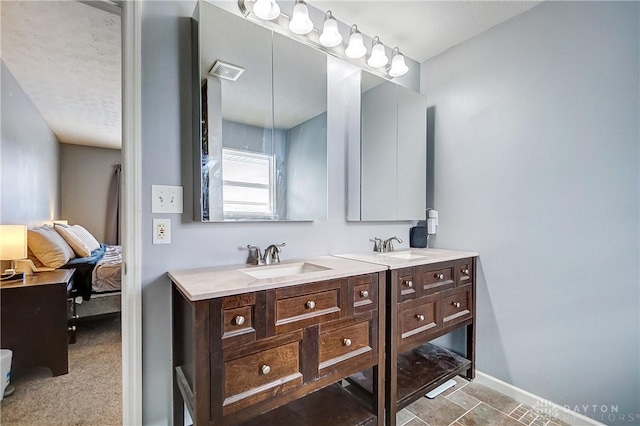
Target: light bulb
x=330, y=36
x=266, y=9
x=398, y=65
x=356, y=48
x=300, y=22
x=378, y=57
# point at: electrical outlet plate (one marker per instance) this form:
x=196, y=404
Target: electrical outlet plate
x=166, y=199
x=161, y=231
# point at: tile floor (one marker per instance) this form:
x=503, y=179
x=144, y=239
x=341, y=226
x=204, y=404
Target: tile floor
x=472, y=404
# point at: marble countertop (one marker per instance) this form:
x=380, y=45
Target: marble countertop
x=409, y=257
x=210, y=282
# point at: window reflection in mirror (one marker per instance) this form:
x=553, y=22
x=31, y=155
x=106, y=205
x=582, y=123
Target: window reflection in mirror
x=263, y=136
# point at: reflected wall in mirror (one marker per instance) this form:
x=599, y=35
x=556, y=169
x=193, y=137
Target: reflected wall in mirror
x=262, y=136
x=389, y=182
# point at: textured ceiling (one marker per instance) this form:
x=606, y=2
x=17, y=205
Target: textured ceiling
x=66, y=56
x=423, y=29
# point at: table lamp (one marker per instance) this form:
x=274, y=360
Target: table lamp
x=13, y=246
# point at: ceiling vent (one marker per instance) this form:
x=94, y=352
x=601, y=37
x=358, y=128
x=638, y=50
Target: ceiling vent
x=227, y=71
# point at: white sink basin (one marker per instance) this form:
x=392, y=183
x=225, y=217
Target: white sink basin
x=406, y=255
x=275, y=271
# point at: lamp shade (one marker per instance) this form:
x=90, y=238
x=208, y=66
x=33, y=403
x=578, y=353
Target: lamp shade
x=378, y=57
x=300, y=22
x=330, y=36
x=13, y=242
x=398, y=65
x=266, y=9
x=355, y=49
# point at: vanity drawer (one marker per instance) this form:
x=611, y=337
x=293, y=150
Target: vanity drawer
x=259, y=376
x=301, y=306
x=339, y=346
x=437, y=279
x=419, y=318
x=456, y=305
x=365, y=293
x=238, y=319
x=465, y=271
x=407, y=284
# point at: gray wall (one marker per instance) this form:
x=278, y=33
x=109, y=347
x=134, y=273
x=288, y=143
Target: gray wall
x=85, y=177
x=29, y=157
x=167, y=153
x=537, y=169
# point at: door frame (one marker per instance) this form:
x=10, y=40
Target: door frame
x=131, y=213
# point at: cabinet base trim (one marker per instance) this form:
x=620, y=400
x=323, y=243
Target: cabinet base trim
x=521, y=395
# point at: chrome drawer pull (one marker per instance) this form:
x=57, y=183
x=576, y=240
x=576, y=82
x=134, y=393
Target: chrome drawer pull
x=311, y=304
x=346, y=342
x=465, y=271
x=456, y=304
x=239, y=320
x=265, y=369
x=439, y=276
x=364, y=293
x=409, y=284
x=420, y=317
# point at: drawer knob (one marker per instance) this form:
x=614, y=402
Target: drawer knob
x=239, y=320
x=364, y=293
x=409, y=283
x=265, y=369
x=465, y=271
x=420, y=317
x=456, y=304
x=346, y=342
x=439, y=276
x=311, y=304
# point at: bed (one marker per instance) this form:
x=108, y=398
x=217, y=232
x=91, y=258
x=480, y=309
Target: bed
x=96, y=285
x=95, y=288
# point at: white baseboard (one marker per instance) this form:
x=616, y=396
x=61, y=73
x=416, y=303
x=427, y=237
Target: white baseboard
x=539, y=403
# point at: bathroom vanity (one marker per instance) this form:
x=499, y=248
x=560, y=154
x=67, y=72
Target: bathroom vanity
x=430, y=293
x=270, y=345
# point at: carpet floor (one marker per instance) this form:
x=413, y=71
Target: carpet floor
x=91, y=394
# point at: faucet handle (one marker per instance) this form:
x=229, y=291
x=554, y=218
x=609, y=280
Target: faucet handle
x=258, y=254
x=377, y=244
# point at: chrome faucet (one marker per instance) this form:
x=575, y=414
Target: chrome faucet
x=388, y=244
x=271, y=254
x=377, y=244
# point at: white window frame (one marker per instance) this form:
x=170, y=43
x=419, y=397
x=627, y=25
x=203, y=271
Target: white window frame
x=270, y=186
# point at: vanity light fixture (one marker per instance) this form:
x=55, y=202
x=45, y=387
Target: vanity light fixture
x=267, y=13
x=300, y=22
x=356, y=48
x=398, y=65
x=266, y=9
x=330, y=36
x=378, y=57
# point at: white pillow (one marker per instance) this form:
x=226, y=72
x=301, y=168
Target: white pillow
x=79, y=247
x=49, y=247
x=86, y=237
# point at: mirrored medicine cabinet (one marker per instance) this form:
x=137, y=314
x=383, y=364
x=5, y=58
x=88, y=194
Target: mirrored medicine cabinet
x=261, y=124
x=387, y=170
x=260, y=120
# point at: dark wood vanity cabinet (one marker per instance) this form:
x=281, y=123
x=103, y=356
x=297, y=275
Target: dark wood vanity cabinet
x=423, y=303
x=277, y=356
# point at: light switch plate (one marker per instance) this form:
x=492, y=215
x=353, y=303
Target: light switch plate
x=166, y=199
x=161, y=231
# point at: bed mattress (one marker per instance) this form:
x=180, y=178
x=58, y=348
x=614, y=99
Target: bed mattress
x=106, y=275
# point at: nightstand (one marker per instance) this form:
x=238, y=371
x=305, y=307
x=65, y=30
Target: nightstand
x=34, y=321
